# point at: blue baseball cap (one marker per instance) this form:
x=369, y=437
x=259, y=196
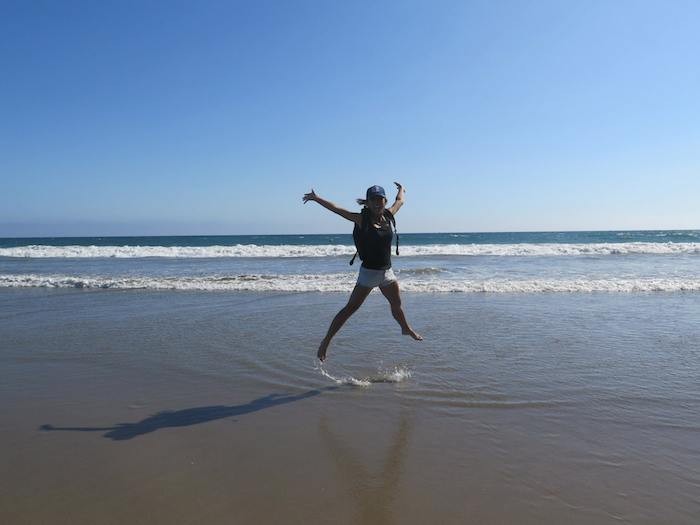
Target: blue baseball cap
x=375, y=191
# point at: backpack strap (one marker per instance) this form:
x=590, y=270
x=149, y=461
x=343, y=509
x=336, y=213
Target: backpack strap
x=390, y=216
x=363, y=225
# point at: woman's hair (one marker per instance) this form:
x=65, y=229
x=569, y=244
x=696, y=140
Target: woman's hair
x=363, y=202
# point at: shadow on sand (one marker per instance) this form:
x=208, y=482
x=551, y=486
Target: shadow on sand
x=189, y=416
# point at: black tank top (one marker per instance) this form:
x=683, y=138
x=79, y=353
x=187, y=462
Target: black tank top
x=377, y=246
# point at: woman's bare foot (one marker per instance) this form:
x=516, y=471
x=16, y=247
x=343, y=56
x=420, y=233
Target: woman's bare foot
x=321, y=354
x=413, y=334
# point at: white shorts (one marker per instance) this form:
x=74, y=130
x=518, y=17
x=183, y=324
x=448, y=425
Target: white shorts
x=370, y=278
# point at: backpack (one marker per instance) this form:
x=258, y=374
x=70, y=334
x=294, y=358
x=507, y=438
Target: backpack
x=359, y=229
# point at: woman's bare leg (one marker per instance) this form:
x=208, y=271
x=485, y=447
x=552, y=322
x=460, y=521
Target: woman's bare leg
x=357, y=297
x=391, y=292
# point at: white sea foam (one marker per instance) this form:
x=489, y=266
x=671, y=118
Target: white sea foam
x=331, y=250
x=238, y=250
x=248, y=282
x=343, y=282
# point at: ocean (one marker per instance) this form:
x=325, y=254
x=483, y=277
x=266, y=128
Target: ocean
x=546, y=262
x=171, y=380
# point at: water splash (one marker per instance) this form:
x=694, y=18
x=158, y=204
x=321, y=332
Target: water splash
x=391, y=375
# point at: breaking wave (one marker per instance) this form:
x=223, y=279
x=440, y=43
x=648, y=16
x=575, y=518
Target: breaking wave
x=343, y=282
x=334, y=250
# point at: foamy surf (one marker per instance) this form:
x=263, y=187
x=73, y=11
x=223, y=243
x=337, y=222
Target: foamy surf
x=395, y=375
x=336, y=250
x=343, y=282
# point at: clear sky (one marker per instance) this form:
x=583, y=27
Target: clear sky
x=133, y=117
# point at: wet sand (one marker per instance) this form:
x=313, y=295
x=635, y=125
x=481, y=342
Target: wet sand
x=177, y=407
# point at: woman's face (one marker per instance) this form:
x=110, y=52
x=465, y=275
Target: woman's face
x=376, y=204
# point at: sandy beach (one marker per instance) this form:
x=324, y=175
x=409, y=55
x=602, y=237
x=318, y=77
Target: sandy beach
x=184, y=407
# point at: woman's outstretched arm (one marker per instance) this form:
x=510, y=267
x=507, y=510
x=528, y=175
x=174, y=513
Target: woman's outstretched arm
x=399, y=199
x=352, y=217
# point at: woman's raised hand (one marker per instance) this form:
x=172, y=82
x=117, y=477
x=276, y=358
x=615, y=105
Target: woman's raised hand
x=311, y=196
x=398, y=186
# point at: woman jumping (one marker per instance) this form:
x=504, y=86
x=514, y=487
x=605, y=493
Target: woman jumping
x=375, y=241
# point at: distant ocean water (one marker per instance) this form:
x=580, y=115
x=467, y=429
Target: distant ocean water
x=533, y=262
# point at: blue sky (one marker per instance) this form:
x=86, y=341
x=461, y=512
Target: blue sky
x=121, y=118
